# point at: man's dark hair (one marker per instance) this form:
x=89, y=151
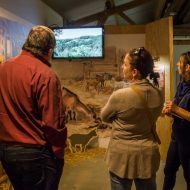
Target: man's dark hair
x=40, y=39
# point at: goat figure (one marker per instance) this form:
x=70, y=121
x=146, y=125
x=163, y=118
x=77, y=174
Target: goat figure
x=81, y=141
x=73, y=104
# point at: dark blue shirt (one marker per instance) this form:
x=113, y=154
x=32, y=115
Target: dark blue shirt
x=181, y=127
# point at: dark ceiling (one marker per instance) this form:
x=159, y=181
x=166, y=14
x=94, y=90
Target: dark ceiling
x=121, y=12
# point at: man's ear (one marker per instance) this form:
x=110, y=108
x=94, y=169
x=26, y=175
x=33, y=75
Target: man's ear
x=49, y=55
x=50, y=52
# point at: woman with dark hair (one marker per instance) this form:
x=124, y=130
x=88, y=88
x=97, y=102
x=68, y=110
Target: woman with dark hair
x=133, y=153
x=179, y=109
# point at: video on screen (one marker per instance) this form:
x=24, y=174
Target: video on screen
x=79, y=43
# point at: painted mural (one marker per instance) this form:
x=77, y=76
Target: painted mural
x=84, y=95
x=12, y=36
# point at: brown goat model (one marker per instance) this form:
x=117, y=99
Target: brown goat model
x=73, y=104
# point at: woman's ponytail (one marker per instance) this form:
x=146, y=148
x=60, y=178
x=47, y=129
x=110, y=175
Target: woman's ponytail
x=154, y=77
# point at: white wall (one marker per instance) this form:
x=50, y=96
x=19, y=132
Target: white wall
x=33, y=11
x=125, y=41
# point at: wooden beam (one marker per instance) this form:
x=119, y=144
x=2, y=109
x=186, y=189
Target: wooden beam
x=159, y=9
x=124, y=29
x=102, y=20
x=109, y=12
x=181, y=31
x=175, y=7
x=183, y=13
x=181, y=42
x=116, y=18
x=54, y=7
x=125, y=17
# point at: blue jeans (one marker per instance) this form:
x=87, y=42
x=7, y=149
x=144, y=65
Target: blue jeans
x=118, y=183
x=31, y=168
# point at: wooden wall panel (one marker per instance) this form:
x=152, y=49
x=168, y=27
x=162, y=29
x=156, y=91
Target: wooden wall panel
x=159, y=41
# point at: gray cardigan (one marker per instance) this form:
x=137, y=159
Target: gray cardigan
x=133, y=150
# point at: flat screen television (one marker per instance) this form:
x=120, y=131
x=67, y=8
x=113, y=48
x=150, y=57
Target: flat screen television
x=79, y=42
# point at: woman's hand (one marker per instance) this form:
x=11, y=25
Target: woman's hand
x=169, y=108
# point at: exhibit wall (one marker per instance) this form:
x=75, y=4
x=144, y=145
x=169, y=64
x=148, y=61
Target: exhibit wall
x=90, y=82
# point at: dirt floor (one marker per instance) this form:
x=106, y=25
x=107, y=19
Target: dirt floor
x=85, y=171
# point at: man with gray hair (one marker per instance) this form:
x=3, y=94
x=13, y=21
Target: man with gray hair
x=32, y=115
